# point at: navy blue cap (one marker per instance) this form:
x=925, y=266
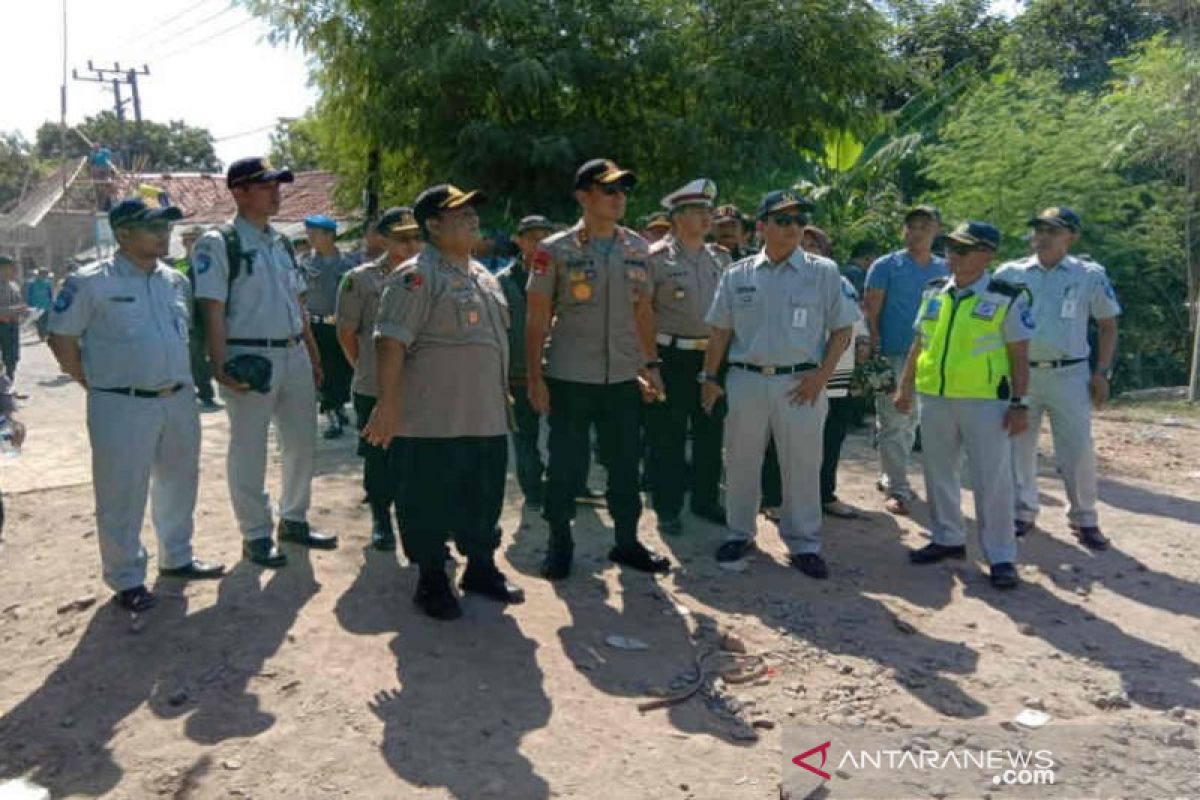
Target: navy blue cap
x=976, y=234
x=134, y=211
x=1059, y=217
x=924, y=210
x=442, y=197
x=398, y=219
x=255, y=169
x=321, y=222
x=603, y=171
x=781, y=199
x=534, y=222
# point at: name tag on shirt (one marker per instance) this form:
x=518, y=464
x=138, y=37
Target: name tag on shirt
x=932, y=308
x=1069, y=308
x=800, y=317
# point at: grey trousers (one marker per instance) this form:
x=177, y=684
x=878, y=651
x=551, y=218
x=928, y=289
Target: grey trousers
x=143, y=446
x=1063, y=394
x=894, y=434
x=292, y=405
x=950, y=427
x=759, y=408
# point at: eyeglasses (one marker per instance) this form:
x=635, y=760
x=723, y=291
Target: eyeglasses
x=404, y=238
x=612, y=189
x=783, y=220
x=157, y=226
x=958, y=248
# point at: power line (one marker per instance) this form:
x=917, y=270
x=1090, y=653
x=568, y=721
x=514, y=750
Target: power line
x=193, y=45
x=240, y=134
x=167, y=40
x=156, y=27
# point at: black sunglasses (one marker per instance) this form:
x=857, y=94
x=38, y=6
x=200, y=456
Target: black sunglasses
x=962, y=249
x=783, y=220
x=611, y=189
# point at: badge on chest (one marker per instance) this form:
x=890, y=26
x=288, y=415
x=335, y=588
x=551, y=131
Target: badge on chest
x=800, y=317
x=985, y=310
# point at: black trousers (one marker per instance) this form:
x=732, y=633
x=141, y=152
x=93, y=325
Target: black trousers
x=837, y=423
x=668, y=425
x=380, y=476
x=10, y=346
x=614, y=409
x=452, y=487
x=336, y=370
x=201, y=368
x=531, y=472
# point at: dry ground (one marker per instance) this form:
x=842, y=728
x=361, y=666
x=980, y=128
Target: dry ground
x=320, y=681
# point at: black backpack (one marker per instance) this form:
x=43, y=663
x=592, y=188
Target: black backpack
x=235, y=256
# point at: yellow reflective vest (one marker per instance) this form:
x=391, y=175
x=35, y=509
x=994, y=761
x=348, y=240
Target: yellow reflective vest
x=963, y=353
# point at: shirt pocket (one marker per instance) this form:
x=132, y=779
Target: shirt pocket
x=804, y=318
x=581, y=286
x=468, y=309
x=748, y=305
x=126, y=315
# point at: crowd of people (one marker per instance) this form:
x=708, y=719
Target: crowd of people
x=685, y=360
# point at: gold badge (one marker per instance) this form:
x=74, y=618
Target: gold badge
x=472, y=317
x=581, y=292
x=577, y=275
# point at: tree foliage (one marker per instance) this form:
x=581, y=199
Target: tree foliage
x=296, y=143
x=171, y=147
x=19, y=168
x=514, y=94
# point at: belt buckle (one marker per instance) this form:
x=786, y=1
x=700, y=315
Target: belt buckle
x=165, y=392
x=768, y=371
x=700, y=344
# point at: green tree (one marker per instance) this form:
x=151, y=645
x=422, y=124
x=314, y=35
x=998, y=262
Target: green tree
x=1077, y=39
x=295, y=143
x=19, y=168
x=171, y=147
x=933, y=39
x=1021, y=143
x=512, y=95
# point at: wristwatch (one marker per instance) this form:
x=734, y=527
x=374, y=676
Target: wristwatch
x=1019, y=402
x=1105, y=371
x=708, y=377
x=655, y=364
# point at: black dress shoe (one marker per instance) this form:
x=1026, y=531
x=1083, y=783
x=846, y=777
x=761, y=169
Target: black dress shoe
x=734, y=550
x=194, y=570
x=811, y=564
x=334, y=429
x=714, y=514
x=590, y=497
x=383, y=536
x=1021, y=527
x=301, y=533
x=1090, y=537
x=557, y=564
x=490, y=582
x=934, y=552
x=1004, y=576
x=137, y=599
x=636, y=556
x=264, y=553
x=340, y=413
x=435, y=597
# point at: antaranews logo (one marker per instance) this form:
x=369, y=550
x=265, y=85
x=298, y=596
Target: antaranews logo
x=823, y=749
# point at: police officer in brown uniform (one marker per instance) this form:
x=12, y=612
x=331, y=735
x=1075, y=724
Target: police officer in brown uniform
x=357, y=307
x=590, y=316
x=685, y=272
x=442, y=357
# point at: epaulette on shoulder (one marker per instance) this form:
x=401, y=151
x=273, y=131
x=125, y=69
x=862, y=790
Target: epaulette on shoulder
x=937, y=283
x=718, y=248
x=1004, y=287
x=661, y=246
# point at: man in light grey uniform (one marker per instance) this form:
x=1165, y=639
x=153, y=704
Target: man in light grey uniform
x=120, y=328
x=255, y=306
x=785, y=320
x=1066, y=292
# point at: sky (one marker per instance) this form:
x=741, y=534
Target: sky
x=209, y=62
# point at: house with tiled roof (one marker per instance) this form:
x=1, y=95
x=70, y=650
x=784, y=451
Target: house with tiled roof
x=59, y=221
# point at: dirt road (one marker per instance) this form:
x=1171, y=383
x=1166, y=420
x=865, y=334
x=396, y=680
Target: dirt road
x=320, y=680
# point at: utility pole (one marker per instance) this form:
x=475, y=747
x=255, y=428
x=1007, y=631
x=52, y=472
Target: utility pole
x=118, y=77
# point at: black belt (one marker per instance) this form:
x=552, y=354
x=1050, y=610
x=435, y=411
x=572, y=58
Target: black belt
x=773, y=370
x=288, y=342
x=1062, y=362
x=147, y=394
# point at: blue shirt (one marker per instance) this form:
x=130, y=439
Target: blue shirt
x=903, y=282
x=39, y=294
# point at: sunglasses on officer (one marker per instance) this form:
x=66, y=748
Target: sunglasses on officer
x=961, y=249
x=612, y=189
x=784, y=220
x=158, y=226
